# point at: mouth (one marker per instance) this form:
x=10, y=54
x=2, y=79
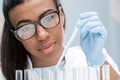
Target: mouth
x=47, y=48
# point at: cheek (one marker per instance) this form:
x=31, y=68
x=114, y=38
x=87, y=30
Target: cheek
x=29, y=46
x=56, y=33
x=59, y=30
x=60, y=34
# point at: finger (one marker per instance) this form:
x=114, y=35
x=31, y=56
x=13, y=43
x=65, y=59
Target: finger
x=81, y=23
x=83, y=36
x=90, y=25
x=87, y=15
x=101, y=31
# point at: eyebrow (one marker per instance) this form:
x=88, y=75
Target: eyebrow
x=39, y=17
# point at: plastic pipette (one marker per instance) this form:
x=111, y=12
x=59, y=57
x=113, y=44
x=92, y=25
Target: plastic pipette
x=76, y=29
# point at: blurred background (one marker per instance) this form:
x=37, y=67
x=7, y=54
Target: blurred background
x=109, y=12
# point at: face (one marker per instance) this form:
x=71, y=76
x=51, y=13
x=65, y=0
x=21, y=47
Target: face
x=46, y=46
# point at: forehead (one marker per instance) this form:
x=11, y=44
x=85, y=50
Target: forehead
x=29, y=4
x=30, y=8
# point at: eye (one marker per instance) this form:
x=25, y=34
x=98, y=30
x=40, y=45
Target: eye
x=25, y=28
x=26, y=31
x=48, y=18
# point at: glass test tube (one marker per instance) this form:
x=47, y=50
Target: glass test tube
x=77, y=73
x=90, y=73
x=48, y=74
x=31, y=74
x=106, y=72
x=85, y=73
x=96, y=72
x=59, y=74
x=19, y=75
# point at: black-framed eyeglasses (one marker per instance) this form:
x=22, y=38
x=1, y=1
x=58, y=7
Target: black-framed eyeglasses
x=48, y=21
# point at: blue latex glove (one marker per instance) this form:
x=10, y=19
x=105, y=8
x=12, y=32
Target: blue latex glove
x=92, y=38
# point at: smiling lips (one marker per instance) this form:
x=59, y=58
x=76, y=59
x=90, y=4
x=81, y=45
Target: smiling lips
x=46, y=49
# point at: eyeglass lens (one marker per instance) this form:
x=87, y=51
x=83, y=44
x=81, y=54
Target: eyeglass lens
x=28, y=31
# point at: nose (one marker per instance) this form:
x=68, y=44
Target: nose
x=42, y=34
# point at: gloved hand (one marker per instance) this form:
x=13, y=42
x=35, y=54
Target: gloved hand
x=92, y=37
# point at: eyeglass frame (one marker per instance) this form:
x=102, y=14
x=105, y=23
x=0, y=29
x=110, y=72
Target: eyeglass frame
x=35, y=23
